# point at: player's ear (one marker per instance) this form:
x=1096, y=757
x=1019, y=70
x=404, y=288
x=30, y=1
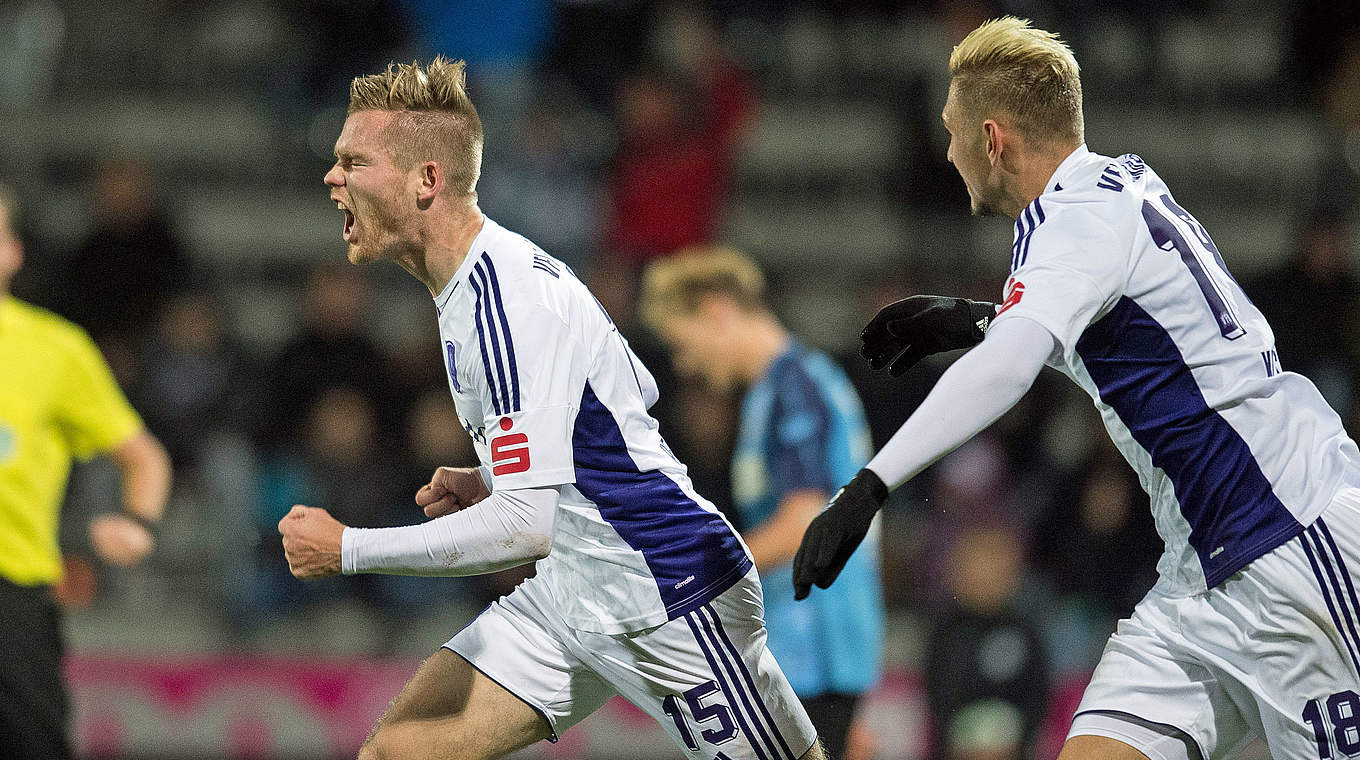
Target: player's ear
x=995, y=138
x=431, y=181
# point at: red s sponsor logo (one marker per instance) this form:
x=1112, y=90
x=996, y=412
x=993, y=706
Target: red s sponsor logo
x=509, y=453
x=1015, y=290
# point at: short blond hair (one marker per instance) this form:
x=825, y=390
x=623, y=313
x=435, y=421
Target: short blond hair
x=1006, y=68
x=678, y=284
x=435, y=119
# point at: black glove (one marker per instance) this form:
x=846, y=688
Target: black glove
x=836, y=532
x=903, y=333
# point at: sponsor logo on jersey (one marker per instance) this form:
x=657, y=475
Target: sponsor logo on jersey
x=1015, y=290
x=509, y=452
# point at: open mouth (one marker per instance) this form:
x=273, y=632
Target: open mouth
x=347, y=233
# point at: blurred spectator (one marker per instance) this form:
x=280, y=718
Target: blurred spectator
x=1099, y=541
x=679, y=121
x=194, y=381
x=334, y=348
x=340, y=464
x=129, y=266
x=1311, y=303
x=547, y=186
x=984, y=651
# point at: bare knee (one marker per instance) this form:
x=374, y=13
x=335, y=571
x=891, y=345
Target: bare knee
x=815, y=752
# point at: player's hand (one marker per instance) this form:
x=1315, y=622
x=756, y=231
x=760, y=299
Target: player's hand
x=904, y=332
x=311, y=542
x=451, y=489
x=836, y=532
x=119, y=540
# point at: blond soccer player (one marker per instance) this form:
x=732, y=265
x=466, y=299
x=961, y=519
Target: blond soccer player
x=642, y=588
x=1254, y=626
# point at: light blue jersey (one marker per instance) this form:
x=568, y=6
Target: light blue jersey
x=802, y=428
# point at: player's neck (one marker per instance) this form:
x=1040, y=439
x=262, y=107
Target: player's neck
x=766, y=340
x=1036, y=172
x=446, y=247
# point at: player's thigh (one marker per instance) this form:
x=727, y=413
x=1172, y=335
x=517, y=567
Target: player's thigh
x=1089, y=747
x=708, y=679
x=450, y=710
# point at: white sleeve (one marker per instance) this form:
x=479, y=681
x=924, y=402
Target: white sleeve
x=534, y=395
x=977, y=389
x=506, y=529
x=1070, y=270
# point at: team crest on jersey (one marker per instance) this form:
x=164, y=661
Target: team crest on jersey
x=451, y=349
x=1015, y=290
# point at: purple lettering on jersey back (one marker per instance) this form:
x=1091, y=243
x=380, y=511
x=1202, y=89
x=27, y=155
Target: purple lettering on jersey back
x=1168, y=237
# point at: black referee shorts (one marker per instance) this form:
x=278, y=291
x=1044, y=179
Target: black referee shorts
x=33, y=709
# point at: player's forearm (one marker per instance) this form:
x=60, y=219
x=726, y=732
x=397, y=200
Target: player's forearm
x=976, y=390
x=774, y=542
x=507, y=529
x=146, y=476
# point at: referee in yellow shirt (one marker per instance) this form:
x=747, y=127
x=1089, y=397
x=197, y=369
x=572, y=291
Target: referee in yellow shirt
x=58, y=401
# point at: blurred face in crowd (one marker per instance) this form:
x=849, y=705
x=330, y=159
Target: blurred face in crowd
x=376, y=195
x=704, y=343
x=11, y=250
x=968, y=153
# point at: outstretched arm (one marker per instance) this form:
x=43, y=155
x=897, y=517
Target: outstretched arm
x=977, y=389
x=506, y=529
x=972, y=394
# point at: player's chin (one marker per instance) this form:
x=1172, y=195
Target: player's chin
x=357, y=254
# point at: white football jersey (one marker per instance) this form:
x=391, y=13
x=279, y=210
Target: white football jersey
x=1237, y=454
x=553, y=397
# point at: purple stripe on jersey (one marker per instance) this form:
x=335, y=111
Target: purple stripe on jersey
x=690, y=551
x=718, y=675
x=1231, y=506
x=485, y=307
x=1327, y=597
x=513, y=398
x=481, y=340
x=1024, y=244
x=746, y=673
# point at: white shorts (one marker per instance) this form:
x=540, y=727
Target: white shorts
x=707, y=677
x=1272, y=651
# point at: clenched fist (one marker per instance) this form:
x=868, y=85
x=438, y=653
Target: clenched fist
x=451, y=489
x=311, y=542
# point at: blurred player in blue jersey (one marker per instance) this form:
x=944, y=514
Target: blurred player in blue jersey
x=1253, y=628
x=642, y=588
x=802, y=433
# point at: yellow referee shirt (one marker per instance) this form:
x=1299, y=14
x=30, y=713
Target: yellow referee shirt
x=58, y=400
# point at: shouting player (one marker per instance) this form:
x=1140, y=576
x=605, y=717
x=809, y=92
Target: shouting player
x=642, y=588
x=1254, y=625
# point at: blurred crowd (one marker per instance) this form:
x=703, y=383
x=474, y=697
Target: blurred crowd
x=611, y=132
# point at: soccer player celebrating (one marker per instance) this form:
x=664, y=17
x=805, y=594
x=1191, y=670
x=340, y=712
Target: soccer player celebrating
x=642, y=588
x=1252, y=628
x=802, y=432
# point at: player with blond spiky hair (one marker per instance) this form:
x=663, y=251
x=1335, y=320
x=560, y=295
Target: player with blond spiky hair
x=643, y=589
x=1254, y=626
